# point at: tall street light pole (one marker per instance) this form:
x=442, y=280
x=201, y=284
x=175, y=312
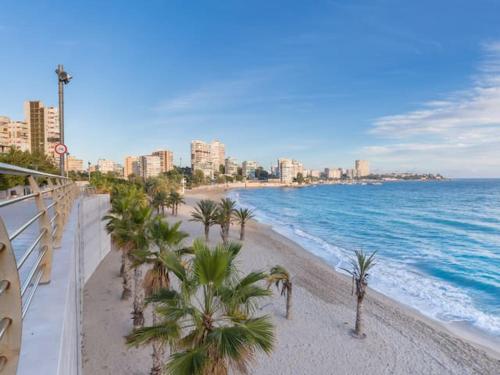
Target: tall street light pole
x=63, y=78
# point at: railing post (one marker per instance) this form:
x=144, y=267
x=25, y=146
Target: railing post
x=59, y=221
x=10, y=306
x=45, y=228
x=67, y=201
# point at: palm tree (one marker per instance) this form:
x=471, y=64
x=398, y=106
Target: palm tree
x=242, y=216
x=210, y=324
x=225, y=211
x=205, y=213
x=139, y=242
x=280, y=276
x=123, y=202
x=175, y=199
x=166, y=239
x=360, y=267
x=159, y=200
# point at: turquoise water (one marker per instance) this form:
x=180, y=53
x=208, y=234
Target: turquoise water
x=438, y=243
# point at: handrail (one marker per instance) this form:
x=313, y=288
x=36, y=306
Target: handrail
x=16, y=296
x=20, y=171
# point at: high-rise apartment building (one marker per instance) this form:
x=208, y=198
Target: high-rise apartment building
x=128, y=167
x=166, y=159
x=289, y=169
x=43, y=123
x=297, y=168
x=231, y=166
x=149, y=166
x=362, y=168
x=333, y=173
x=105, y=165
x=207, y=157
x=217, y=154
x=286, y=170
x=14, y=134
x=249, y=167
x=201, y=158
x=71, y=163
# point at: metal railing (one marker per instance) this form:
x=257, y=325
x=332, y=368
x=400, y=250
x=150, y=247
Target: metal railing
x=16, y=293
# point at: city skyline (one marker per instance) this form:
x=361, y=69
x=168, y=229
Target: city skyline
x=325, y=85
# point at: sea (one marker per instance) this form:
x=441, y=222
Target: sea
x=437, y=242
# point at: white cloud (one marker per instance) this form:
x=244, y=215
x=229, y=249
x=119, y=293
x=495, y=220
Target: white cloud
x=460, y=129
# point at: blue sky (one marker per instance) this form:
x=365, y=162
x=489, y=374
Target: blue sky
x=408, y=85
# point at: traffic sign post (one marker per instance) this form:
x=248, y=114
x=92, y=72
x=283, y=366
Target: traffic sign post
x=60, y=149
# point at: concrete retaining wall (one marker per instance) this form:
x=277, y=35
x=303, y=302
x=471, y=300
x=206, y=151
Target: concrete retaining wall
x=95, y=242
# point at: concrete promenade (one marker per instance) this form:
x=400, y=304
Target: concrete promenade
x=51, y=337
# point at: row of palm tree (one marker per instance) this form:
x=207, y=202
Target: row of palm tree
x=210, y=213
x=161, y=199
x=208, y=321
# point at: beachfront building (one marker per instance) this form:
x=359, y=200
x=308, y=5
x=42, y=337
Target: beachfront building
x=297, y=168
x=201, y=158
x=105, y=165
x=149, y=166
x=166, y=159
x=285, y=170
x=314, y=173
x=14, y=134
x=362, y=168
x=231, y=166
x=333, y=173
x=207, y=157
x=43, y=125
x=350, y=173
x=248, y=169
x=72, y=164
x=217, y=154
x=128, y=167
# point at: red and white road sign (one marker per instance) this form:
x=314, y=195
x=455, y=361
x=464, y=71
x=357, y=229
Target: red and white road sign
x=60, y=149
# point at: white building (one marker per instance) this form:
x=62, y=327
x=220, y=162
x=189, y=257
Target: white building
x=14, y=134
x=286, y=170
x=249, y=167
x=362, y=168
x=314, y=173
x=231, y=166
x=333, y=173
x=105, y=165
x=207, y=157
x=149, y=166
x=217, y=154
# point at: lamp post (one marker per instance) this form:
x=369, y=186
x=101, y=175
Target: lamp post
x=63, y=78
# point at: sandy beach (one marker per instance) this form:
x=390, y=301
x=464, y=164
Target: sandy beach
x=316, y=341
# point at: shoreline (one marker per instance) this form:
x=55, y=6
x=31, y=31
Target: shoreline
x=316, y=340
x=461, y=330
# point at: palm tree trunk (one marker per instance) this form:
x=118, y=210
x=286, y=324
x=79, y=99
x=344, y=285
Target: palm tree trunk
x=242, y=232
x=122, y=266
x=358, y=328
x=127, y=276
x=138, y=313
x=158, y=353
x=289, y=303
x=207, y=232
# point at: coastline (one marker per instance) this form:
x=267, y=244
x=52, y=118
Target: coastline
x=316, y=340
x=462, y=331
